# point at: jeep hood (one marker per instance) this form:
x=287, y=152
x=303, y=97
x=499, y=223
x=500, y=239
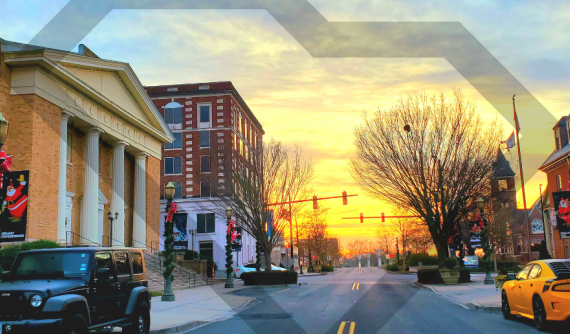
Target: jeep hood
x=55, y=286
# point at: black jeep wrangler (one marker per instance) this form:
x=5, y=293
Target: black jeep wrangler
x=75, y=290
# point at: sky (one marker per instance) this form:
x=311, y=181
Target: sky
x=317, y=102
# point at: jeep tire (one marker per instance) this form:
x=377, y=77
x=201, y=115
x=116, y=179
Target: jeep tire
x=140, y=320
x=75, y=324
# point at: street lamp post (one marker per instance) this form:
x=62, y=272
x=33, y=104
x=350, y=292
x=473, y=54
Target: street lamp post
x=111, y=220
x=229, y=282
x=192, y=232
x=485, y=241
x=169, y=192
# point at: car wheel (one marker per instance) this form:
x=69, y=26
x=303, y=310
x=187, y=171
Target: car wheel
x=140, y=320
x=539, y=314
x=75, y=324
x=505, y=306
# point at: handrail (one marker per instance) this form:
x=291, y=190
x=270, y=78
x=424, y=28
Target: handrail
x=73, y=234
x=109, y=244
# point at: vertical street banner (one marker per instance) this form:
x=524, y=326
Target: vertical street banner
x=14, y=210
x=236, y=239
x=562, y=207
x=180, y=221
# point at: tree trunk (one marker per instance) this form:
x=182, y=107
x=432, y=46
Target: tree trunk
x=267, y=260
x=441, y=252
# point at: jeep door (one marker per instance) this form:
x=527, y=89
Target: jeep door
x=124, y=280
x=104, y=288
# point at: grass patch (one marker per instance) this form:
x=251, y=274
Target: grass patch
x=156, y=293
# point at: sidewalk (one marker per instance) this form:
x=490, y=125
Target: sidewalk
x=196, y=307
x=475, y=295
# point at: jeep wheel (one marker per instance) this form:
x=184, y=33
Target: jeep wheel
x=75, y=324
x=140, y=320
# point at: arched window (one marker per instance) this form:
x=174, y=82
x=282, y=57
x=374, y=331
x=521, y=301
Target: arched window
x=173, y=115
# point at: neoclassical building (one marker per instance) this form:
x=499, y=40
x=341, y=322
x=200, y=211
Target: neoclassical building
x=91, y=139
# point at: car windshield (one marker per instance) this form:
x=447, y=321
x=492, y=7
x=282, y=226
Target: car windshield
x=46, y=265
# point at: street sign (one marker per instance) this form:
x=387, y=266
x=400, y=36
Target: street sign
x=471, y=261
x=328, y=257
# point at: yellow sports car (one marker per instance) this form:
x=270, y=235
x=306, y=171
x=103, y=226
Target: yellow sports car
x=541, y=291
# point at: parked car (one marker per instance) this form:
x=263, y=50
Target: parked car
x=75, y=290
x=251, y=267
x=541, y=291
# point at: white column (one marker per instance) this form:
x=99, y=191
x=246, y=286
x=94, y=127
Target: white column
x=139, y=221
x=62, y=175
x=90, y=211
x=118, y=199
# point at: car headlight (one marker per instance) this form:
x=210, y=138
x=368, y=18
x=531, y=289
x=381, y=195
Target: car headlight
x=36, y=300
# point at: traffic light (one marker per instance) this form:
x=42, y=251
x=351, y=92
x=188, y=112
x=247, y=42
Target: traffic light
x=383, y=219
x=315, y=203
x=344, y=198
x=361, y=218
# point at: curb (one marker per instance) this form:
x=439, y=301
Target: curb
x=199, y=323
x=467, y=306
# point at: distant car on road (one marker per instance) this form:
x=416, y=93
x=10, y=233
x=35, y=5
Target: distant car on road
x=251, y=267
x=541, y=291
x=75, y=290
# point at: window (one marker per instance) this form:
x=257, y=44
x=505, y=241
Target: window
x=177, y=189
x=205, y=189
x=206, y=223
x=535, y=272
x=557, y=137
x=204, y=139
x=69, y=147
x=559, y=182
x=251, y=265
x=205, y=116
x=177, y=143
x=524, y=273
x=206, y=250
x=173, y=115
x=103, y=260
x=172, y=165
x=122, y=263
x=502, y=184
x=136, y=260
x=205, y=164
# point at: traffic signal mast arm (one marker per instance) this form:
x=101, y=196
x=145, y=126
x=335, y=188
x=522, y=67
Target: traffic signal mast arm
x=309, y=200
x=380, y=217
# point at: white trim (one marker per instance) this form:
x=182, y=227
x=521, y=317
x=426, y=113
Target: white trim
x=202, y=125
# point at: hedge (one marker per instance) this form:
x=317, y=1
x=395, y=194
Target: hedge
x=269, y=278
x=191, y=255
x=327, y=268
x=432, y=276
x=426, y=260
x=392, y=267
x=9, y=254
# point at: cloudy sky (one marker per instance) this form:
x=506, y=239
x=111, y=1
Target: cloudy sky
x=316, y=102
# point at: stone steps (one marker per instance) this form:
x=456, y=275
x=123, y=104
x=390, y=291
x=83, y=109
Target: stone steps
x=181, y=278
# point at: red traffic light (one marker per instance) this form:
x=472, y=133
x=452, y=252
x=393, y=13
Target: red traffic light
x=313, y=257
x=315, y=203
x=361, y=218
x=383, y=220
x=344, y=198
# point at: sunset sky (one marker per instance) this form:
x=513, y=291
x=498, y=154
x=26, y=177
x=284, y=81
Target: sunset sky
x=316, y=103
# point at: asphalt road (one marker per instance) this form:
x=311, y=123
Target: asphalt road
x=348, y=302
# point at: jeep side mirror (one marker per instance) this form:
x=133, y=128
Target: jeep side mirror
x=103, y=273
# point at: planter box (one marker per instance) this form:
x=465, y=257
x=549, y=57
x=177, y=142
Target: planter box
x=449, y=277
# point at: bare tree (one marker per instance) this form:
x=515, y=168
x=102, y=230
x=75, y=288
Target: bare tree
x=431, y=156
x=315, y=226
x=384, y=239
x=271, y=174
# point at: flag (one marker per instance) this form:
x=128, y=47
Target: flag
x=510, y=142
x=517, y=122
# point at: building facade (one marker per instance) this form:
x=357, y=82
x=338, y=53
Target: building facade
x=214, y=130
x=91, y=139
x=557, y=168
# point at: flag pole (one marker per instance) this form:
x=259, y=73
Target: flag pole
x=522, y=178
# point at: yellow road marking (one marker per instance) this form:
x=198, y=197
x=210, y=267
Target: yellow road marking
x=353, y=286
x=352, y=326
x=357, y=286
x=341, y=328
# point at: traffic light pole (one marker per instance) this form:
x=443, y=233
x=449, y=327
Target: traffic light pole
x=383, y=217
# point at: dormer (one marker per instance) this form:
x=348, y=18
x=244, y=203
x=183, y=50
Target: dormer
x=560, y=133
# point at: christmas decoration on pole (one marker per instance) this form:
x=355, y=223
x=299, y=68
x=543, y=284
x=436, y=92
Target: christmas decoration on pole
x=168, y=253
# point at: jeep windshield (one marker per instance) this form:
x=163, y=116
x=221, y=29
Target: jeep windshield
x=50, y=265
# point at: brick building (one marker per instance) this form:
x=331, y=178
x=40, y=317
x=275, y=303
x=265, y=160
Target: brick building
x=557, y=168
x=214, y=129
x=91, y=139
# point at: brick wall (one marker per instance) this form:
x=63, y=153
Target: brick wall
x=553, y=187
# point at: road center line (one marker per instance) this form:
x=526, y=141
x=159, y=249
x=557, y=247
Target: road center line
x=357, y=286
x=352, y=327
x=353, y=286
x=341, y=328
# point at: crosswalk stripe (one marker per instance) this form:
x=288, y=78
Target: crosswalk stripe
x=341, y=328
